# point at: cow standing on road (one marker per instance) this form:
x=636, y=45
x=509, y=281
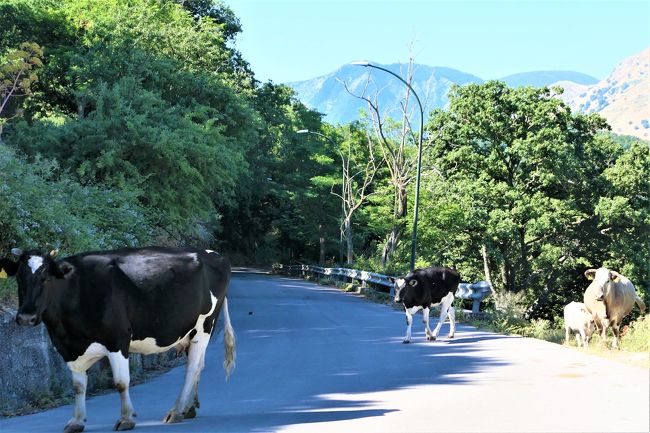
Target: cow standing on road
x=609, y=298
x=424, y=288
x=110, y=303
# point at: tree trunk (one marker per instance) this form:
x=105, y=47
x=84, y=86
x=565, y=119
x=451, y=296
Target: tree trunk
x=401, y=208
x=506, y=274
x=347, y=228
x=391, y=243
x=321, y=241
x=486, y=266
x=399, y=213
x=524, y=264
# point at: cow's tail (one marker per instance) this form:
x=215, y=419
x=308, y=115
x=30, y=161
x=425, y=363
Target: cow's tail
x=228, y=341
x=640, y=303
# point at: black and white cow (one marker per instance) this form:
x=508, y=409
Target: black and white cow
x=110, y=303
x=424, y=288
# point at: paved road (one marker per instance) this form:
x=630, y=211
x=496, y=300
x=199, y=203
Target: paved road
x=313, y=359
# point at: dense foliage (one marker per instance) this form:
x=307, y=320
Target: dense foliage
x=150, y=99
x=131, y=122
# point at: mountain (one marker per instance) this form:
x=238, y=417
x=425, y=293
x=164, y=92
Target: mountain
x=545, y=78
x=327, y=94
x=623, y=97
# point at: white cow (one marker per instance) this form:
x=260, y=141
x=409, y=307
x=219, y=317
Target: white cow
x=578, y=320
x=609, y=298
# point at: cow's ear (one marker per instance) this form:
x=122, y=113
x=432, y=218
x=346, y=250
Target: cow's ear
x=413, y=283
x=8, y=268
x=614, y=276
x=16, y=252
x=392, y=280
x=590, y=274
x=62, y=270
x=54, y=253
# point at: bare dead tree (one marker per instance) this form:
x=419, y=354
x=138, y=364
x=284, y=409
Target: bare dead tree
x=356, y=178
x=396, y=154
x=17, y=77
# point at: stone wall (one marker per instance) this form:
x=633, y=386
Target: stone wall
x=33, y=374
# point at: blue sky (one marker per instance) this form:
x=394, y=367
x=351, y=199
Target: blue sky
x=292, y=40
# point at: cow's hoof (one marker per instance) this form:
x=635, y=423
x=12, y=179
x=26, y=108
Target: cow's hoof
x=431, y=338
x=74, y=428
x=406, y=341
x=124, y=424
x=190, y=413
x=451, y=336
x=172, y=417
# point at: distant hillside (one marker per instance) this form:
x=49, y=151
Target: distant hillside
x=544, y=78
x=623, y=97
x=327, y=94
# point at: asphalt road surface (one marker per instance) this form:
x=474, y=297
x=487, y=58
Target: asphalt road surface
x=314, y=359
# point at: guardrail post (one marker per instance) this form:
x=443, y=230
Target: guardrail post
x=475, y=306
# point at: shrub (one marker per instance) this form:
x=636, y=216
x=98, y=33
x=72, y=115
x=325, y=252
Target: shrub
x=637, y=337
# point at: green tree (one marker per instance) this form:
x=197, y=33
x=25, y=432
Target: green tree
x=519, y=171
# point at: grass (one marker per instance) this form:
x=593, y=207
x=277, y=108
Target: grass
x=8, y=291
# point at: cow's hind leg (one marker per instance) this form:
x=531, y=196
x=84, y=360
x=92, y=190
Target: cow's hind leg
x=122, y=378
x=452, y=320
x=185, y=406
x=191, y=412
x=444, y=310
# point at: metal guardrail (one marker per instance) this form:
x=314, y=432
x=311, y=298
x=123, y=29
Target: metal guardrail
x=476, y=292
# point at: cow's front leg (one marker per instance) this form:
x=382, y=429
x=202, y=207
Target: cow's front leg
x=425, y=320
x=616, y=331
x=78, y=368
x=580, y=338
x=409, y=321
x=604, y=324
x=121, y=377
x=78, y=421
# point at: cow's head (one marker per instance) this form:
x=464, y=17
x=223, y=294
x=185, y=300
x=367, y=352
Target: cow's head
x=34, y=272
x=601, y=281
x=402, y=285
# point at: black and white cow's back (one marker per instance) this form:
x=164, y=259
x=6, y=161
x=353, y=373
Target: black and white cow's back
x=110, y=303
x=424, y=288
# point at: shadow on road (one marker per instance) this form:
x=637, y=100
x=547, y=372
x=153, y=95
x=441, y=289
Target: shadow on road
x=310, y=354
x=305, y=354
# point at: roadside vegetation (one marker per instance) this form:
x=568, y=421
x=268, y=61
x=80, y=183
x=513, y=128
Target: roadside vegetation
x=505, y=312
x=133, y=122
